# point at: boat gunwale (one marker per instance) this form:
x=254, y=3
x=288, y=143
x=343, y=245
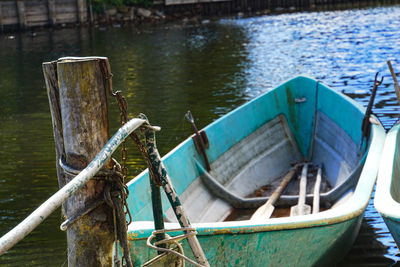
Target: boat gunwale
x=357, y=202
x=384, y=202
x=149, y=228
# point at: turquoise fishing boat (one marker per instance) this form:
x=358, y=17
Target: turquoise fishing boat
x=300, y=123
x=387, y=195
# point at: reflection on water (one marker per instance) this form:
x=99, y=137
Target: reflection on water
x=166, y=70
x=374, y=246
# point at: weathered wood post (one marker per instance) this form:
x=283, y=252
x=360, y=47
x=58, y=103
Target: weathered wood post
x=81, y=11
x=51, y=7
x=21, y=14
x=77, y=91
x=1, y=16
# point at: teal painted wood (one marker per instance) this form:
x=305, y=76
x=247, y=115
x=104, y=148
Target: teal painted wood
x=387, y=196
x=318, y=246
x=304, y=240
x=229, y=130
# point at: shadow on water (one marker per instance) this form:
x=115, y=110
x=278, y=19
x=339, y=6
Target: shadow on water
x=367, y=250
x=374, y=246
x=166, y=70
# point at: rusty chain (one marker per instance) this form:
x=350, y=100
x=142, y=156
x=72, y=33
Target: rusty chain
x=123, y=110
x=117, y=193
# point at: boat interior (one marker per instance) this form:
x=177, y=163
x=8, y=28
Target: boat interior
x=243, y=178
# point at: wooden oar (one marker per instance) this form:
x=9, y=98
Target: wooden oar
x=316, y=191
x=302, y=208
x=266, y=210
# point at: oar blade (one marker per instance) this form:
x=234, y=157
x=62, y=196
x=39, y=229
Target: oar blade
x=263, y=212
x=300, y=210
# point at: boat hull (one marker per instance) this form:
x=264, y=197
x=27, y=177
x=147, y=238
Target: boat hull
x=308, y=246
x=387, y=195
x=322, y=238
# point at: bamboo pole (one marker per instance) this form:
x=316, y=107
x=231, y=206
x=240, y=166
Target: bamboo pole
x=55, y=201
x=78, y=101
x=173, y=197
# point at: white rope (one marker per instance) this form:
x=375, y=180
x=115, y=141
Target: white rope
x=169, y=240
x=55, y=201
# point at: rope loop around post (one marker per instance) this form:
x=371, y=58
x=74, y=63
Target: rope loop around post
x=115, y=196
x=49, y=206
x=116, y=192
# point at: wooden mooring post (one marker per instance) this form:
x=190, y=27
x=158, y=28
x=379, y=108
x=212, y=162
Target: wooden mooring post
x=21, y=14
x=77, y=91
x=1, y=17
x=52, y=14
x=81, y=11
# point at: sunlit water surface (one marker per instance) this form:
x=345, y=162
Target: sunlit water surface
x=165, y=70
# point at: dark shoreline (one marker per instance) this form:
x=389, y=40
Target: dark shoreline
x=186, y=14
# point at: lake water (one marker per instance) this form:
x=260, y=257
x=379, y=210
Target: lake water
x=209, y=68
